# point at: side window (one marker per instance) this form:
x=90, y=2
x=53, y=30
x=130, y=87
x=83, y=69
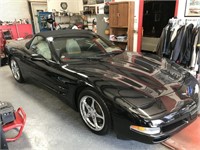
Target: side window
x=40, y=46
x=36, y=40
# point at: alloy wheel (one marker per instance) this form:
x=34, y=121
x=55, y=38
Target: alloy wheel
x=15, y=69
x=92, y=113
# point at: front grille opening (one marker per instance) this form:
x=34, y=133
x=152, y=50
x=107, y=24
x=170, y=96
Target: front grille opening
x=173, y=125
x=158, y=140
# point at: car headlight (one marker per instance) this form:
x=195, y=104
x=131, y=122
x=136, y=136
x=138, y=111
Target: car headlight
x=156, y=123
x=146, y=130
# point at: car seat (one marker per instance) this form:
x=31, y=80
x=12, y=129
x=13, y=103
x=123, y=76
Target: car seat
x=72, y=47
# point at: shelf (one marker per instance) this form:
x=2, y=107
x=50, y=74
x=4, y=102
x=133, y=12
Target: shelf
x=93, y=4
x=121, y=21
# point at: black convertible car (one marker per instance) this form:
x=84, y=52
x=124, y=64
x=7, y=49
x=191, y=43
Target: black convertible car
x=142, y=97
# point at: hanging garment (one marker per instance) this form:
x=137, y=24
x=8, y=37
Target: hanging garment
x=186, y=50
x=162, y=41
x=166, y=48
x=174, y=32
x=198, y=49
x=194, y=34
x=178, y=43
x=173, y=38
x=193, y=61
x=197, y=65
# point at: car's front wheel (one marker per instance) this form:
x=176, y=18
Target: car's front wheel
x=94, y=112
x=16, y=70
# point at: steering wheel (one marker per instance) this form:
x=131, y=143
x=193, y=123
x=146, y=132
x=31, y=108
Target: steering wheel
x=90, y=46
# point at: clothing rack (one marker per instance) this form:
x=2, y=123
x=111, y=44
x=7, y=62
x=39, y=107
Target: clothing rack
x=192, y=19
x=184, y=21
x=179, y=42
x=195, y=21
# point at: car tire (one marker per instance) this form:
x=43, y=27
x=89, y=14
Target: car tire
x=16, y=70
x=94, y=112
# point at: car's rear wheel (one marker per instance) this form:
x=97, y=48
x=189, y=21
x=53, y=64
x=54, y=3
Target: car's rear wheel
x=16, y=70
x=94, y=112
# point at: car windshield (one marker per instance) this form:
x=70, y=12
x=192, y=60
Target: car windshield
x=83, y=47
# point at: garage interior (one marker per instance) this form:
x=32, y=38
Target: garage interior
x=50, y=122
x=53, y=124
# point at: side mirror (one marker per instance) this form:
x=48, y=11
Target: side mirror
x=36, y=57
x=33, y=47
x=39, y=57
x=27, y=45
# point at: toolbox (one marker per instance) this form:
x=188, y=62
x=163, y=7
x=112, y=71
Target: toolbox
x=7, y=113
x=11, y=119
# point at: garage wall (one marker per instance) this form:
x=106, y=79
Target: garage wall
x=181, y=9
x=18, y=9
x=74, y=6
x=13, y=9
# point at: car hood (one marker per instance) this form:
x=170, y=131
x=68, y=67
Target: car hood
x=139, y=82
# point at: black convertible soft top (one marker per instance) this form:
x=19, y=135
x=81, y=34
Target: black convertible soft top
x=66, y=33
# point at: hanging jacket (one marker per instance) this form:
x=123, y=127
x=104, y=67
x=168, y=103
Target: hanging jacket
x=193, y=60
x=166, y=49
x=177, y=47
x=198, y=48
x=162, y=41
x=186, y=50
x=193, y=47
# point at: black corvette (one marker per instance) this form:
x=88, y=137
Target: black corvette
x=142, y=97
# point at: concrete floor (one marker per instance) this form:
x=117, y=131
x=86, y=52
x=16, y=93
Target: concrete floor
x=51, y=124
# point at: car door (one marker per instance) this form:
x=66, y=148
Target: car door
x=44, y=69
x=41, y=63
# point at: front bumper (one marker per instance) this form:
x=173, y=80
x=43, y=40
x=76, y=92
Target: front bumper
x=122, y=129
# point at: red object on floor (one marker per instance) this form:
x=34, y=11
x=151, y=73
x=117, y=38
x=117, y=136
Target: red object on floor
x=19, y=122
x=186, y=139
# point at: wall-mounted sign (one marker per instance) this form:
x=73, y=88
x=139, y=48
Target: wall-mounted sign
x=192, y=8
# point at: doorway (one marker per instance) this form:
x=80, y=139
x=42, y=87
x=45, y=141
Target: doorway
x=35, y=7
x=155, y=17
